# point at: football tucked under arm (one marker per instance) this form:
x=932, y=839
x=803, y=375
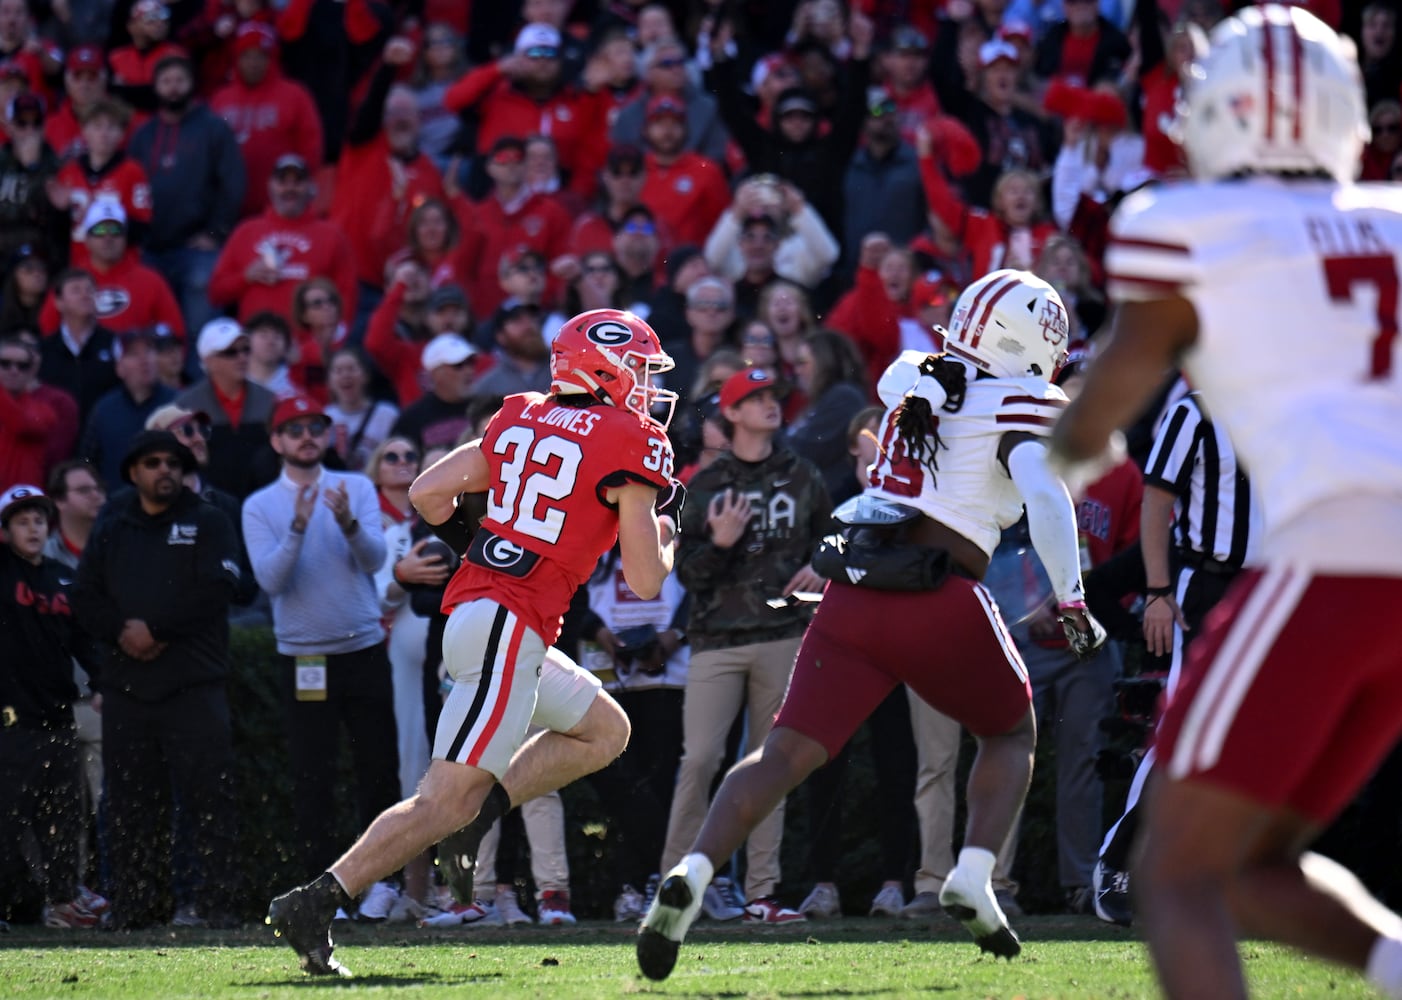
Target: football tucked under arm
x=458, y=530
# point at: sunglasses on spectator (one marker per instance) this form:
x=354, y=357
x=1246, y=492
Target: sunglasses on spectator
x=640, y=228
x=108, y=229
x=15, y=364
x=1391, y=128
x=528, y=265
x=301, y=428
x=233, y=352
x=599, y=269
x=317, y=303
x=396, y=457
x=670, y=62
x=28, y=123
x=154, y=462
x=190, y=429
x=542, y=52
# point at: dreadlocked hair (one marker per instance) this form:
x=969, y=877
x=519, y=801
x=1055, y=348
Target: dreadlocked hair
x=915, y=419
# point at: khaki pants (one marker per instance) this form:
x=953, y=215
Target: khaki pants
x=718, y=682
x=937, y=755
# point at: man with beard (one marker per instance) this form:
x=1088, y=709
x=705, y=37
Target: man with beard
x=521, y=361
x=315, y=539
x=196, y=171
x=154, y=585
x=269, y=255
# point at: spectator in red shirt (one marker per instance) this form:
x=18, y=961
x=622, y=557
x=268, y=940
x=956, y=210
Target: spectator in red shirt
x=665, y=73
x=684, y=190
x=870, y=313
x=620, y=191
x=27, y=419
x=1164, y=57
x=436, y=242
x=524, y=93
x=134, y=66
x=268, y=256
x=130, y=295
x=210, y=37
x=103, y=171
x=319, y=329
x=1083, y=49
x=382, y=173
x=84, y=84
x=510, y=218
x=21, y=45
x=398, y=331
x=905, y=70
x=270, y=114
x=1011, y=234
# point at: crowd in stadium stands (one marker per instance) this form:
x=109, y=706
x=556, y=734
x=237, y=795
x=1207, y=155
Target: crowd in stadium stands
x=224, y=218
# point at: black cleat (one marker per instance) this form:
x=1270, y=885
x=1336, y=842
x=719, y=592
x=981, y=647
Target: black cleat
x=1001, y=942
x=668, y=919
x=303, y=916
x=1110, y=888
x=457, y=856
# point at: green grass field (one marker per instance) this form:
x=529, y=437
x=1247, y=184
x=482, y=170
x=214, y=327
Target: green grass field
x=1063, y=957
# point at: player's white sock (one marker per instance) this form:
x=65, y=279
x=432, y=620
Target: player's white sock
x=1385, y=966
x=699, y=870
x=976, y=863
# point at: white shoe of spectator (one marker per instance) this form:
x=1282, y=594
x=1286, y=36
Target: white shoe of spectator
x=406, y=910
x=719, y=901
x=509, y=909
x=463, y=914
x=629, y=905
x=378, y=903
x=888, y=902
x=822, y=903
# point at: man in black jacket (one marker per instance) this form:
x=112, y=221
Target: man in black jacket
x=154, y=584
x=39, y=773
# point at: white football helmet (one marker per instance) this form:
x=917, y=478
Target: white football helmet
x=1277, y=91
x=1010, y=324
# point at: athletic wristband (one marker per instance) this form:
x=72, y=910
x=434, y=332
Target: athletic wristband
x=1163, y=591
x=1071, y=606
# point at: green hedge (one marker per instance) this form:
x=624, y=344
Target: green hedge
x=265, y=864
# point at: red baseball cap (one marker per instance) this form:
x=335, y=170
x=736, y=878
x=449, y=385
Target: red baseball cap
x=294, y=408
x=84, y=57
x=665, y=105
x=744, y=384
x=255, y=35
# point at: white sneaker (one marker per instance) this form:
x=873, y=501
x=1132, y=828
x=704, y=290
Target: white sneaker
x=628, y=906
x=378, y=903
x=822, y=903
x=188, y=916
x=509, y=909
x=718, y=902
x=668, y=919
x=406, y=910
x=888, y=902
x=458, y=914
x=975, y=907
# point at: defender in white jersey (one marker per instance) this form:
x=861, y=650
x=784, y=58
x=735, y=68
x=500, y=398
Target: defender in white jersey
x=1273, y=280
x=961, y=452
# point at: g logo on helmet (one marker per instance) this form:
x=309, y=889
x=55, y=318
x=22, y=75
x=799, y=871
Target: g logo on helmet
x=502, y=553
x=609, y=333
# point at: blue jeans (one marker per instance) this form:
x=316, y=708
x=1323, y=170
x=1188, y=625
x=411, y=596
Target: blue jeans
x=187, y=270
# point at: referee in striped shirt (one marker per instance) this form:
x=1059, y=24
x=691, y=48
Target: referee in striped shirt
x=1198, y=526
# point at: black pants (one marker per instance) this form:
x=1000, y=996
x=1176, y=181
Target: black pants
x=40, y=794
x=636, y=789
x=179, y=749
x=360, y=697
x=894, y=761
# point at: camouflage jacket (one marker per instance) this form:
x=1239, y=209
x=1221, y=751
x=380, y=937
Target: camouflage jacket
x=729, y=587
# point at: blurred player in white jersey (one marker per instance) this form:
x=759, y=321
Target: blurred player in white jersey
x=1273, y=279
x=962, y=450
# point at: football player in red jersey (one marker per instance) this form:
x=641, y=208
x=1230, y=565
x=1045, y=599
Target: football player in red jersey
x=564, y=474
x=1292, y=694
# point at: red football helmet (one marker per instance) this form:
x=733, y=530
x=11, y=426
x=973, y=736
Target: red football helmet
x=612, y=355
